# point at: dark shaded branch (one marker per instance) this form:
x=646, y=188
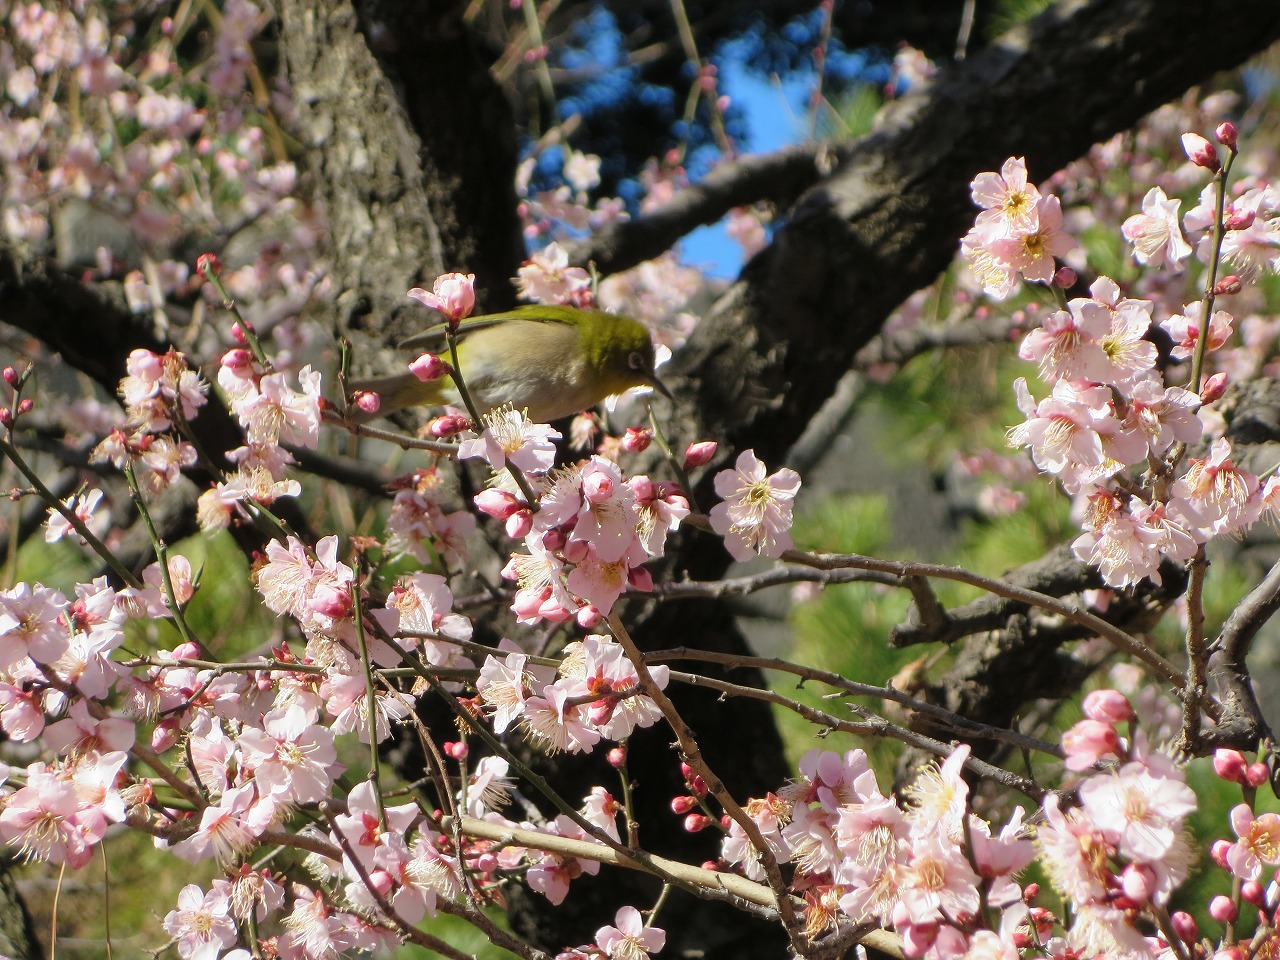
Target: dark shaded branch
x=1244, y=726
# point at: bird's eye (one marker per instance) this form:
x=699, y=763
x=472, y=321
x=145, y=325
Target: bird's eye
x=636, y=360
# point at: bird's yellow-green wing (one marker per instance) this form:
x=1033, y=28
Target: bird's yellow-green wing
x=433, y=338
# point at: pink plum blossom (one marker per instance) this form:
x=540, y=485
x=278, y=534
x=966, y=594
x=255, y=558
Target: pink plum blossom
x=755, y=517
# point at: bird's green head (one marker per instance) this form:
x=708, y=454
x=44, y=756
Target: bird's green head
x=619, y=353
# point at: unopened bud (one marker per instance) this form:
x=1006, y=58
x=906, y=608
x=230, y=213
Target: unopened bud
x=1223, y=909
x=1257, y=774
x=683, y=805
x=448, y=425
x=496, y=503
x=457, y=749
x=1230, y=764
x=697, y=822
x=699, y=454
x=1237, y=219
x=1214, y=387
x=367, y=401
x=597, y=488
x=1184, y=925
x=1226, y=135
x=1229, y=285
x=617, y=756
x=238, y=334
x=519, y=524
x=25, y=405
x=1201, y=152
x=1030, y=892
x=1065, y=278
x=1251, y=891
x=1108, y=706
x=208, y=265
x=637, y=439
x=6, y=417
x=588, y=617
x=575, y=551
x=1218, y=851
x=698, y=785
x=11, y=376
x=429, y=368
x=554, y=539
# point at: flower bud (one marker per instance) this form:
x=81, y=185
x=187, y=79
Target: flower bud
x=1107, y=706
x=486, y=863
x=699, y=454
x=640, y=579
x=554, y=539
x=456, y=749
x=1226, y=135
x=1257, y=774
x=1223, y=909
x=11, y=376
x=1138, y=883
x=697, y=822
x=698, y=785
x=1218, y=851
x=496, y=503
x=238, y=334
x=1235, y=219
x=1229, y=286
x=1065, y=278
x=637, y=439
x=366, y=401
x=448, y=425
x=519, y=524
x=617, y=756
x=208, y=265
x=683, y=805
x=1251, y=891
x=1030, y=892
x=1230, y=764
x=429, y=368
x=1201, y=152
x=6, y=417
x=575, y=551
x=25, y=405
x=597, y=488
x=1184, y=925
x=1214, y=387
x=588, y=617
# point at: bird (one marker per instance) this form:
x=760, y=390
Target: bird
x=549, y=361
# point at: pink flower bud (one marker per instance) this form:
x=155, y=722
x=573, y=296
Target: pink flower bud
x=1226, y=135
x=429, y=368
x=25, y=405
x=726, y=821
x=554, y=539
x=380, y=882
x=617, y=756
x=164, y=736
x=519, y=524
x=456, y=749
x=637, y=439
x=1251, y=891
x=575, y=551
x=588, y=617
x=1228, y=286
x=1201, y=152
x=682, y=805
x=698, y=785
x=186, y=651
x=11, y=376
x=1138, y=883
x=330, y=601
x=1218, y=851
x=1184, y=925
x=700, y=453
x=1030, y=892
x=1234, y=219
x=640, y=579
x=238, y=334
x=6, y=417
x=1108, y=706
x=208, y=265
x=1065, y=278
x=686, y=771
x=448, y=425
x=239, y=361
x=1223, y=909
x=1214, y=387
x=554, y=611
x=486, y=863
x=526, y=606
x=1257, y=774
x=453, y=294
x=367, y=401
x=496, y=503
x=1230, y=764
x=597, y=488
x=697, y=822
x=1088, y=742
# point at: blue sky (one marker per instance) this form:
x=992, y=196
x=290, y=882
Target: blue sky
x=776, y=117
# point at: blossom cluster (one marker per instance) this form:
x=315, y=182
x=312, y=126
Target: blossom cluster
x=1110, y=413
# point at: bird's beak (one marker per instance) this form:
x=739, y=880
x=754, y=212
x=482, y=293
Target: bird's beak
x=659, y=386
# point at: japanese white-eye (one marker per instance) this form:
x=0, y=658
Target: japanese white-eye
x=552, y=361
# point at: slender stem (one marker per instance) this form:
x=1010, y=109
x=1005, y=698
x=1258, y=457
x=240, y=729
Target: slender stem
x=677, y=467
x=1211, y=279
x=370, y=704
x=162, y=557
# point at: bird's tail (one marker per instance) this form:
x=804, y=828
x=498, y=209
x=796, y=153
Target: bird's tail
x=397, y=391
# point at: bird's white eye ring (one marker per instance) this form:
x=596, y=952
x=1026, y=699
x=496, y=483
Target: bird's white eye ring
x=636, y=360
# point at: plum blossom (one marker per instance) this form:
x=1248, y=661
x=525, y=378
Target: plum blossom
x=509, y=435
x=1155, y=232
x=1138, y=810
x=1184, y=328
x=1258, y=842
x=85, y=508
x=755, y=517
x=453, y=294
x=201, y=923
x=546, y=277
x=31, y=625
x=630, y=939
x=1010, y=205
x=292, y=758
